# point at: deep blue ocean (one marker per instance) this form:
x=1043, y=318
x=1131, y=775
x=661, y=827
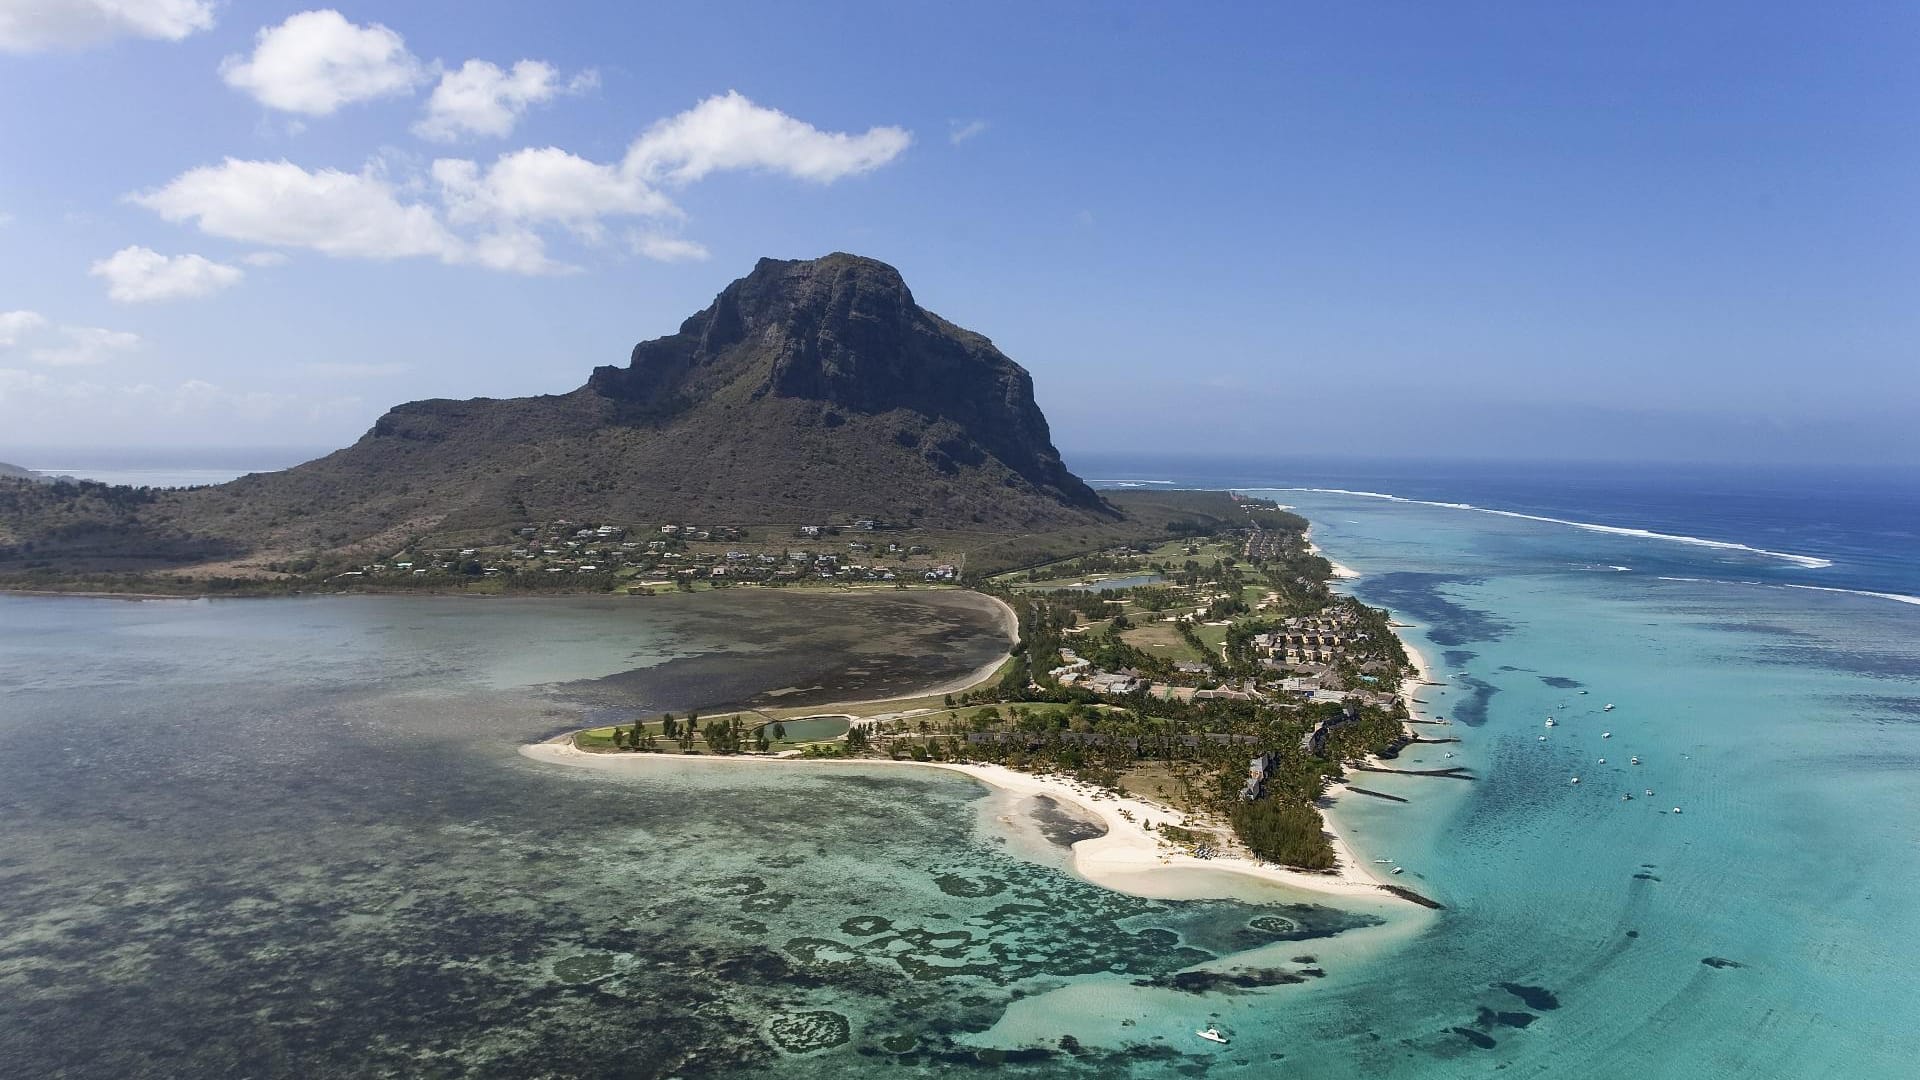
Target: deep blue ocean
x=1864, y=519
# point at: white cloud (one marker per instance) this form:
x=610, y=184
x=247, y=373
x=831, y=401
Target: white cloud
x=317, y=61
x=17, y=325
x=499, y=208
x=668, y=248
x=515, y=251
x=959, y=131
x=35, y=25
x=728, y=131
x=355, y=371
x=545, y=185
x=280, y=203
x=84, y=346
x=265, y=258
x=137, y=274
x=480, y=99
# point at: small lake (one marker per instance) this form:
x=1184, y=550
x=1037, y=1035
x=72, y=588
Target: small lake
x=1130, y=581
x=814, y=728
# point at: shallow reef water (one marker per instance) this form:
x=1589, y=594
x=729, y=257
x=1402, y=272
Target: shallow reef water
x=295, y=838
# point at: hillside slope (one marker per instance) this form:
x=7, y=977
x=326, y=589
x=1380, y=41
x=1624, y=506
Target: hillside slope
x=808, y=391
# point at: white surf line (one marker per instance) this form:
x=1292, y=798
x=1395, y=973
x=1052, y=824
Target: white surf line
x=1898, y=598
x=1811, y=562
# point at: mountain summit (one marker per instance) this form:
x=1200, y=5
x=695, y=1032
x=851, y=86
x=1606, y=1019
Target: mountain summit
x=839, y=341
x=808, y=392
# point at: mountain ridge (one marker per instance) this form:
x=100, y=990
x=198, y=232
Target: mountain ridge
x=808, y=391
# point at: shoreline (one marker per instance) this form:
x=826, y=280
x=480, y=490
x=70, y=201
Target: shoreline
x=1416, y=715
x=1127, y=858
x=1341, y=571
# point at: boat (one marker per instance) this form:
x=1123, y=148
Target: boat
x=1603, y=761
x=1543, y=738
x=1608, y=707
x=1676, y=809
x=1549, y=721
x=1575, y=780
x=1636, y=761
x=1583, y=693
x=1649, y=793
x=1606, y=734
x=1399, y=869
x=1624, y=797
x=1212, y=1034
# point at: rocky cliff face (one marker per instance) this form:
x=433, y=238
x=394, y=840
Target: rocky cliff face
x=845, y=332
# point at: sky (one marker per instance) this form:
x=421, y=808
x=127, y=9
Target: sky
x=1634, y=231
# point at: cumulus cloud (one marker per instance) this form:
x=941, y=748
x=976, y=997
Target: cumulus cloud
x=280, y=203
x=547, y=185
x=728, y=131
x=15, y=326
x=317, y=61
x=37, y=25
x=959, y=131
x=491, y=216
x=480, y=99
x=136, y=275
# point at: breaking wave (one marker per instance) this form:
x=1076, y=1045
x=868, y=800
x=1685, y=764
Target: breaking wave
x=1898, y=598
x=1811, y=562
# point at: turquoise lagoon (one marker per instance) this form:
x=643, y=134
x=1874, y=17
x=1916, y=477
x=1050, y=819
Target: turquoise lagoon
x=1764, y=929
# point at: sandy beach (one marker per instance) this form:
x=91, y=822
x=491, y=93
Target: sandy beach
x=1127, y=859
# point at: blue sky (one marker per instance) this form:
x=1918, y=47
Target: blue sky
x=1476, y=230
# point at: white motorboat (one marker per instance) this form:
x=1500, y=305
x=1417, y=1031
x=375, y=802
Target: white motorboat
x=1608, y=707
x=1575, y=780
x=1603, y=761
x=1636, y=761
x=1606, y=734
x=1549, y=721
x=1212, y=1034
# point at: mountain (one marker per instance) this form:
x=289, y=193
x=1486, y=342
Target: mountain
x=15, y=472
x=807, y=392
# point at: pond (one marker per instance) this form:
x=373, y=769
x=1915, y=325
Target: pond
x=815, y=728
x=1130, y=581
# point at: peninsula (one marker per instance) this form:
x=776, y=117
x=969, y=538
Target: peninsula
x=1201, y=697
